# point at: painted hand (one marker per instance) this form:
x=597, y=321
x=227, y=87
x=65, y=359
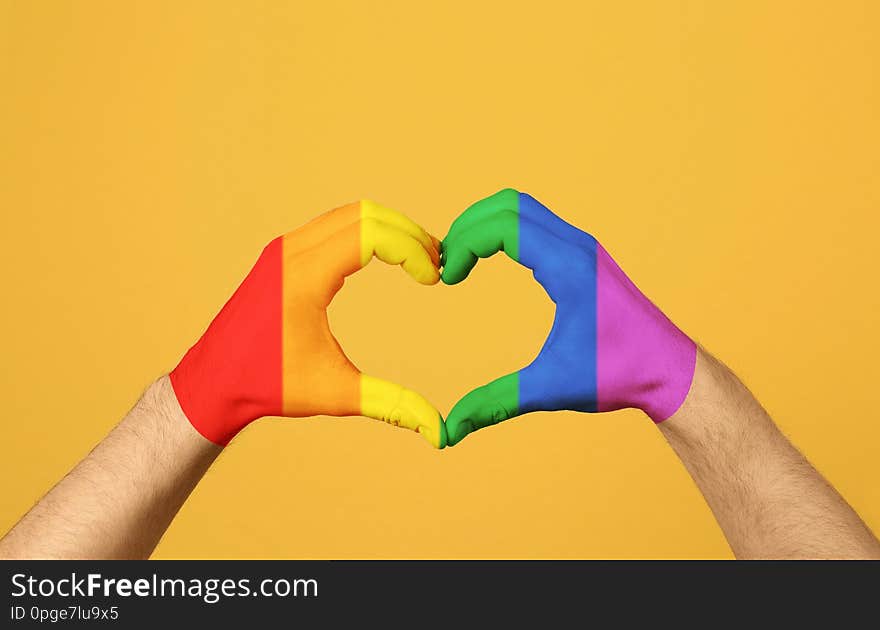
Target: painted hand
x=270, y=351
x=609, y=347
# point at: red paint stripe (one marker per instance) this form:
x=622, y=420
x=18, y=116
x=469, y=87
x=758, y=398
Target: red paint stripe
x=233, y=374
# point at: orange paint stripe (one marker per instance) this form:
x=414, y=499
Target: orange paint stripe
x=316, y=381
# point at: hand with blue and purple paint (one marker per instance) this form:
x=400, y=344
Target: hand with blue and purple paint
x=610, y=347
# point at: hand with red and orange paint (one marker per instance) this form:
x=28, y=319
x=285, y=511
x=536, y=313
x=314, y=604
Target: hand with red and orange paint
x=270, y=351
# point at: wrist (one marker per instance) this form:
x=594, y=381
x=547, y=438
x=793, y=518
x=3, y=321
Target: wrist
x=644, y=361
x=157, y=428
x=672, y=357
x=688, y=425
x=212, y=406
x=708, y=414
x=163, y=399
x=159, y=404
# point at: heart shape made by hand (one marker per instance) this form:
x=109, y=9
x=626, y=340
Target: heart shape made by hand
x=270, y=350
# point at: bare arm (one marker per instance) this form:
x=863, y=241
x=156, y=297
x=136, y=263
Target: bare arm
x=769, y=501
x=120, y=499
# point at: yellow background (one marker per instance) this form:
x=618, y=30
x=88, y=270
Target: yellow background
x=725, y=153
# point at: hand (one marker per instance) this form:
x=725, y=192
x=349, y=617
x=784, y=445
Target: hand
x=609, y=347
x=270, y=352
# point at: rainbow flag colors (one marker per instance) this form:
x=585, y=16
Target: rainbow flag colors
x=609, y=347
x=270, y=351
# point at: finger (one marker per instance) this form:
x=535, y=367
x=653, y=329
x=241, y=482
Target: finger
x=401, y=407
x=436, y=243
x=394, y=246
x=499, y=232
x=483, y=407
x=322, y=228
x=325, y=226
x=506, y=200
x=545, y=255
x=352, y=249
x=372, y=210
x=525, y=206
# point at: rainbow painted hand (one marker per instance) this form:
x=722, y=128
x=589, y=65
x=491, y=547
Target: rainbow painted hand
x=609, y=347
x=270, y=352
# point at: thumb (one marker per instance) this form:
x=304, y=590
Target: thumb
x=483, y=407
x=401, y=407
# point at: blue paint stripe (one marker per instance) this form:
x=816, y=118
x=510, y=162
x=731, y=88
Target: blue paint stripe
x=563, y=376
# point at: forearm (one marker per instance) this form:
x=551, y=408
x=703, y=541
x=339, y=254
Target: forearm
x=120, y=499
x=769, y=501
